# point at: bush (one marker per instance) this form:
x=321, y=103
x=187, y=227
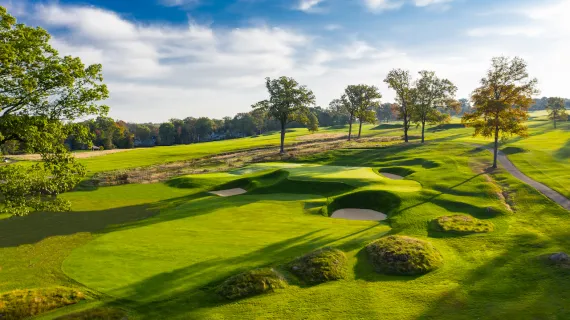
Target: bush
x=321, y=266
x=21, y=304
x=461, y=224
x=251, y=283
x=101, y=148
x=96, y=314
x=401, y=255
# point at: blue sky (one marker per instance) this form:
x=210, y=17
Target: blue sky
x=176, y=58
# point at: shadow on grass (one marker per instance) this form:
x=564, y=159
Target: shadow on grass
x=564, y=152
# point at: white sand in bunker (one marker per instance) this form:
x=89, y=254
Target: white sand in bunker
x=391, y=176
x=359, y=214
x=229, y=192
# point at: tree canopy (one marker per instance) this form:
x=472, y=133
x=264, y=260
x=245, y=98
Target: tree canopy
x=432, y=94
x=556, y=108
x=500, y=104
x=40, y=92
x=401, y=81
x=288, y=101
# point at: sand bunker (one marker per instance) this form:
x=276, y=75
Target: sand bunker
x=391, y=176
x=229, y=192
x=359, y=214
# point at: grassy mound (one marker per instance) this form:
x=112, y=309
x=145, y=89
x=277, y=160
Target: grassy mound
x=461, y=224
x=401, y=255
x=96, y=314
x=21, y=304
x=381, y=201
x=320, y=266
x=251, y=283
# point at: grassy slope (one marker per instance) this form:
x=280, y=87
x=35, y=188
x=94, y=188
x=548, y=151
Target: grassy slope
x=496, y=275
x=157, y=155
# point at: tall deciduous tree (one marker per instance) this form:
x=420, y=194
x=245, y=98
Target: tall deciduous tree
x=288, y=101
x=432, y=93
x=344, y=106
x=400, y=81
x=313, y=124
x=368, y=100
x=556, y=108
x=501, y=102
x=39, y=89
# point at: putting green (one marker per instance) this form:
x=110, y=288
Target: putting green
x=204, y=241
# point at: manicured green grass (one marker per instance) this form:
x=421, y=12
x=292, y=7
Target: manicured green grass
x=169, y=265
x=157, y=155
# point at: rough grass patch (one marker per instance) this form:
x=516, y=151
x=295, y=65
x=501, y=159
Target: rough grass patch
x=323, y=265
x=96, y=314
x=461, y=224
x=401, y=255
x=21, y=304
x=251, y=283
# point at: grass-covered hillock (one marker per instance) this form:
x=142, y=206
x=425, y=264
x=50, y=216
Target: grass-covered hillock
x=22, y=304
x=323, y=265
x=401, y=255
x=251, y=283
x=461, y=224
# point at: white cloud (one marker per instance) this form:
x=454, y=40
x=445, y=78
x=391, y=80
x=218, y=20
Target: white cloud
x=180, y=3
x=383, y=5
x=333, y=27
x=156, y=71
x=309, y=5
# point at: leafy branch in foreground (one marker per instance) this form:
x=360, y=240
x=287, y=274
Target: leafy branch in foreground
x=40, y=94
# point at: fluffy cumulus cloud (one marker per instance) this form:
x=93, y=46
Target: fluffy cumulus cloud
x=159, y=71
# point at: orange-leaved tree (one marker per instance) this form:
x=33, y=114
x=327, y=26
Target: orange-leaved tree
x=500, y=104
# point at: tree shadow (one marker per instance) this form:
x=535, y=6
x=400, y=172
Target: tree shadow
x=564, y=152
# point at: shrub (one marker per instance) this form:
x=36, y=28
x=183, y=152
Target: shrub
x=401, y=255
x=320, y=266
x=251, y=283
x=96, y=314
x=461, y=224
x=21, y=304
x=101, y=148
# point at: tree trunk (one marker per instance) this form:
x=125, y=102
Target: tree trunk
x=554, y=122
x=405, y=127
x=350, y=127
x=423, y=131
x=360, y=129
x=496, y=148
x=282, y=150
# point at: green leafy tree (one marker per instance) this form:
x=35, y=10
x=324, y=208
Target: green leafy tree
x=313, y=124
x=38, y=91
x=288, y=101
x=345, y=107
x=204, y=127
x=400, y=81
x=368, y=100
x=500, y=104
x=432, y=93
x=556, y=108
x=167, y=133
x=143, y=132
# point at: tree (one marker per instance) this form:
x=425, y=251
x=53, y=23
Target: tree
x=204, y=127
x=313, y=124
x=38, y=91
x=143, y=132
x=400, y=81
x=259, y=118
x=501, y=102
x=356, y=102
x=167, y=133
x=368, y=100
x=556, y=108
x=432, y=93
x=288, y=102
